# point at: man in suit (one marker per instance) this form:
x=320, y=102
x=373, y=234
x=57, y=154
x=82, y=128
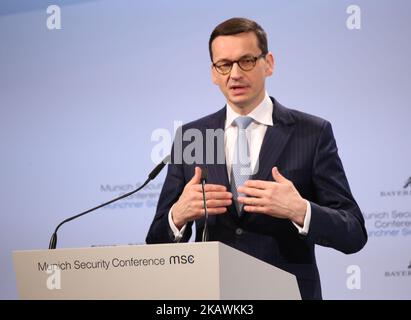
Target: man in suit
x=289, y=194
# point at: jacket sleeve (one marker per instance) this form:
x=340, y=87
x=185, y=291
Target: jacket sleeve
x=336, y=219
x=160, y=231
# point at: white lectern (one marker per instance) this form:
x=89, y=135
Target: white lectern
x=190, y=271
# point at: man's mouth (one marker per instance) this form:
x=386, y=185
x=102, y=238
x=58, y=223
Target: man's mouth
x=238, y=89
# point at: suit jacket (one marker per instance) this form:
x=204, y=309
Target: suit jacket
x=303, y=148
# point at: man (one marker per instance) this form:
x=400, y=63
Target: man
x=282, y=188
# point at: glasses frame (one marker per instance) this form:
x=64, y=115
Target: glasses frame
x=237, y=61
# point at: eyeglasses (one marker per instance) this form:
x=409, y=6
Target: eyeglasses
x=246, y=63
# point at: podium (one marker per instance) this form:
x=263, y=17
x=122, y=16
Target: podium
x=186, y=271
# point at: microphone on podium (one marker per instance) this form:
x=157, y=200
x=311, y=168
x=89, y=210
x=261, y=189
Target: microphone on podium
x=151, y=176
x=203, y=179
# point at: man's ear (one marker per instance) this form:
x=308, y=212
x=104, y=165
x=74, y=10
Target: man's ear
x=269, y=59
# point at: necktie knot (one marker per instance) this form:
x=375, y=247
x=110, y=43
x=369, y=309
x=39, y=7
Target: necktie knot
x=243, y=122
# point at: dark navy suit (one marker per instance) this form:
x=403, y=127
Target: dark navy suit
x=304, y=150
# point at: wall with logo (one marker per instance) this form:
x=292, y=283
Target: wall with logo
x=91, y=90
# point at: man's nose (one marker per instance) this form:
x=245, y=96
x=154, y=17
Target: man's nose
x=236, y=71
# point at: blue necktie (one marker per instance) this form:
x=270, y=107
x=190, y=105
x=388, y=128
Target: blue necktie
x=241, y=165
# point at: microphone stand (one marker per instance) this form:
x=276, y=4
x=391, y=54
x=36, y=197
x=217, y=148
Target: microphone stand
x=151, y=176
x=204, y=175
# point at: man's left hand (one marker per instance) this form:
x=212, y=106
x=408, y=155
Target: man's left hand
x=278, y=199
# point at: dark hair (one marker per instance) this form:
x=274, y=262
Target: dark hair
x=239, y=25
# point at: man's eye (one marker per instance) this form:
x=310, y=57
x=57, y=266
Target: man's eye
x=247, y=60
x=224, y=65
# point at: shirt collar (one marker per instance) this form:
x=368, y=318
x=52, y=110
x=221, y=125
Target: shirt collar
x=262, y=114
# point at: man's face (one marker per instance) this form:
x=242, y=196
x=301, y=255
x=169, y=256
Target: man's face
x=244, y=90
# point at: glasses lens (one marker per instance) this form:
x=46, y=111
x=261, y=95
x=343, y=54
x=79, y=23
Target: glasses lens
x=223, y=67
x=247, y=63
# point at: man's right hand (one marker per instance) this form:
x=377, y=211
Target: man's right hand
x=189, y=206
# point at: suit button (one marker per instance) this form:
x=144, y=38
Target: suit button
x=238, y=231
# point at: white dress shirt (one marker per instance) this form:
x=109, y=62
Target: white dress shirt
x=262, y=117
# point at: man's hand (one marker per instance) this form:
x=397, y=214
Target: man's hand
x=189, y=206
x=279, y=199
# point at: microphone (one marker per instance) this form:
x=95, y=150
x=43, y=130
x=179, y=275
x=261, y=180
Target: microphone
x=151, y=176
x=203, y=179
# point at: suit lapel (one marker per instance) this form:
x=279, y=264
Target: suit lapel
x=275, y=139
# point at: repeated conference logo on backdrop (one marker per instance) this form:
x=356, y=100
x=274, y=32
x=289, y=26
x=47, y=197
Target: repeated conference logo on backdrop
x=394, y=222
x=146, y=198
x=404, y=192
x=400, y=272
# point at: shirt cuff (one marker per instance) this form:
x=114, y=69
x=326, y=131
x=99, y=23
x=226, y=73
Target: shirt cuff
x=178, y=234
x=306, y=226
